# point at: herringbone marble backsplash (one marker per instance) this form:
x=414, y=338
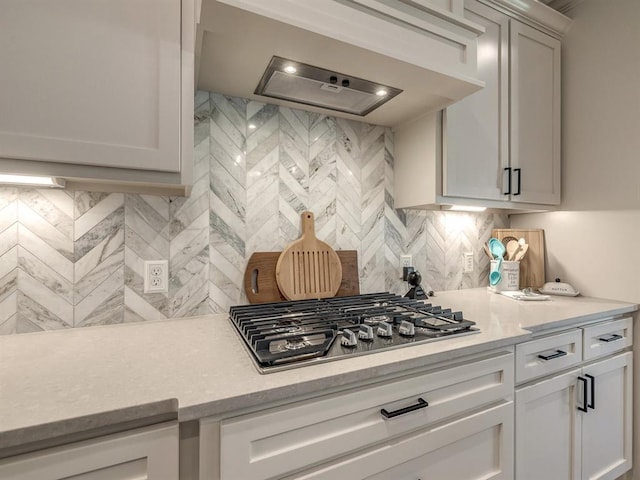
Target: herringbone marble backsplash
x=72, y=259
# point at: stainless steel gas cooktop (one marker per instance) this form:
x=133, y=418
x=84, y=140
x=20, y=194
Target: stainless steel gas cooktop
x=291, y=334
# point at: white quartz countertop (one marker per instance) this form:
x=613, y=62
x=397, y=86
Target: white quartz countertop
x=53, y=383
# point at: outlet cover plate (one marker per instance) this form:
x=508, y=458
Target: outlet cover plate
x=468, y=262
x=156, y=276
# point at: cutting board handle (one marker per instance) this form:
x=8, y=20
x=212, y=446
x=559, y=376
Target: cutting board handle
x=308, y=229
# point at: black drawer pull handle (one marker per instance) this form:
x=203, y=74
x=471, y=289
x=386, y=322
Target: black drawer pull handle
x=401, y=411
x=592, y=403
x=611, y=338
x=583, y=408
x=519, y=172
x=551, y=356
x=508, y=192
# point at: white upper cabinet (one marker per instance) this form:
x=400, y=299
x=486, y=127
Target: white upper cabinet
x=500, y=146
x=476, y=128
x=535, y=116
x=97, y=83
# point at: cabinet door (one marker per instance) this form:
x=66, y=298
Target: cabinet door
x=548, y=429
x=91, y=82
x=607, y=427
x=476, y=447
x=475, y=130
x=535, y=116
x=148, y=453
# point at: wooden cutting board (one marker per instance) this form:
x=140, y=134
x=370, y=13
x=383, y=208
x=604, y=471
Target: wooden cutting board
x=260, y=276
x=532, y=273
x=308, y=268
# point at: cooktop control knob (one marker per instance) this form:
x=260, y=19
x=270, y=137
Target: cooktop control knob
x=348, y=338
x=366, y=333
x=407, y=329
x=385, y=330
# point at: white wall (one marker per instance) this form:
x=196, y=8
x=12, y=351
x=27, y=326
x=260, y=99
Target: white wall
x=594, y=243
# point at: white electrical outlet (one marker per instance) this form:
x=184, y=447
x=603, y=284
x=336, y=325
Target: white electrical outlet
x=468, y=262
x=156, y=276
x=405, y=261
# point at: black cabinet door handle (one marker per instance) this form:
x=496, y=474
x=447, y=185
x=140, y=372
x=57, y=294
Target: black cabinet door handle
x=551, y=356
x=612, y=338
x=519, y=172
x=583, y=408
x=592, y=403
x=401, y=411
x=508, y=170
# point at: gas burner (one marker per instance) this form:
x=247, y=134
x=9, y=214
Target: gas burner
x=289, y=334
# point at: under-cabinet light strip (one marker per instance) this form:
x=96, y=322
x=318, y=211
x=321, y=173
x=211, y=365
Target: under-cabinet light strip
x=32, y=180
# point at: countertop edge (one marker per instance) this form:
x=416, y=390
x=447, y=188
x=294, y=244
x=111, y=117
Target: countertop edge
x=24, y=440
x=583, y=319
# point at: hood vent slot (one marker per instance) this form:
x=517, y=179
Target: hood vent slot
x=301, y=83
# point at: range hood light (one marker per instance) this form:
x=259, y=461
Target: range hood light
x=32, y=180
x=381, y=92
x=290, y=69
x=464, y=208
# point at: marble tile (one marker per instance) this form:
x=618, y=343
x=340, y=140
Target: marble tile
x=8, y=303
x=9, y=282
x=8, y=213
x=8, y=196
x=230, y=112
x=91, y=255
x=190, y=299
x=40, y=306
x=105, y=303
x=139, y=308
x=93, y=216
x=189, y=258
x=8, y=261
x=58, y=239
x=51, y=256
x=41, y=271
x=293, y=175
x=8, y=238
x=85, y=201
x=53, y=207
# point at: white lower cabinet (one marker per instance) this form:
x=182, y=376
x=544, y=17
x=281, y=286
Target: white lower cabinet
x=454, y=422
x=607, y=426
x=479, y=446
x=147, y=453
x=577, y=425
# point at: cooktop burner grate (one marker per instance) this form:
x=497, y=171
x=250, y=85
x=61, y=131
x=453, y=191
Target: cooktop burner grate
x=287, y=334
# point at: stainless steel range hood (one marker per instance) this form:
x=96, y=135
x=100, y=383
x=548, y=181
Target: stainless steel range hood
x=287, y=79
x=238, y=55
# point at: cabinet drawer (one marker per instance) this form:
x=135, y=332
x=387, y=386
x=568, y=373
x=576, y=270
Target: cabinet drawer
x=606, y=338
x=149, y=452
x=547, y=355
x=275, y=442
x=479, y=446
